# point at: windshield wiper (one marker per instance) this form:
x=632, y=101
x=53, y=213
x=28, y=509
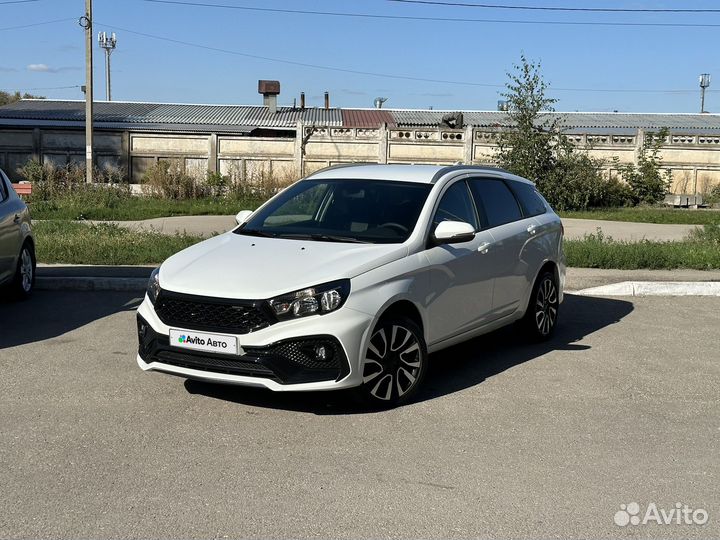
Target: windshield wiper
x=256, y=232
x=324, y=238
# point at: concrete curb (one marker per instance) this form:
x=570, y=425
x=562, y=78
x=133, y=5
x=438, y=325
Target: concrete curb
x=91, y=284
x=653, y=288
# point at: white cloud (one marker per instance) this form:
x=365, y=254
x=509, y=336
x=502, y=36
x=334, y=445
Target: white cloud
x=41, y=68
x=44, y=68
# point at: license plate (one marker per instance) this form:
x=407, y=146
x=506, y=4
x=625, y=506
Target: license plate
x=204, y=341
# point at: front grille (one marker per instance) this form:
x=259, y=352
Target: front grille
x=216, y=365
x=212, y=314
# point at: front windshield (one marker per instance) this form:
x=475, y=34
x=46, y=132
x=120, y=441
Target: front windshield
x=372, y=211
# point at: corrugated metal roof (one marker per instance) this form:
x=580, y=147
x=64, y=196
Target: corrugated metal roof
x=243, y=117
x=572, y=120
x=177, y=114
x=366, y=118
x=322, y=117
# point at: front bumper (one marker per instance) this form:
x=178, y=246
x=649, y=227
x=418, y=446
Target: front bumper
x=278, y=357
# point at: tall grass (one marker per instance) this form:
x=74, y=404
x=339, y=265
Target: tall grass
x=105, y=244
x=648, y=214
x=701, y=252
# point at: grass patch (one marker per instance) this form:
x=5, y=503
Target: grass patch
x=107, y=244
x=700, y=252
x=649, y=215
x=79, y=243
x=136, y=208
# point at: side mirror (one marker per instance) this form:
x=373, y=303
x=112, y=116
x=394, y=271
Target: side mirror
x=243, y=216
x=453, y=232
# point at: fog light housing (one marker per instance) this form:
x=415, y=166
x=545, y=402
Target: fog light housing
x=322, y=353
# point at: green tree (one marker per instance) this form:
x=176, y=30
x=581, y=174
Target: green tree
x=527, y=149
x=7, y=97
x=533, y=146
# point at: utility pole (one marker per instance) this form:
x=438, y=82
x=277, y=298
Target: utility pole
x=704, y=83
x=108, y=43
x=86, y=23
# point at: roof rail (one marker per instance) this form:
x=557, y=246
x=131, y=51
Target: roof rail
x=453, y=168
x=341, y=166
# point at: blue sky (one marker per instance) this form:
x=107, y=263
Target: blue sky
x=573, y=57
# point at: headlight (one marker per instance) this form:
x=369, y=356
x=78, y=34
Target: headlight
x=312, y=301
x=153, y=288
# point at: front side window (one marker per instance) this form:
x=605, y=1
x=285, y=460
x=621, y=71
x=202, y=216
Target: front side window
x=347, y=210
x=495, y=203
x=456, y=205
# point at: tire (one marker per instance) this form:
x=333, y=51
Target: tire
x=24, y=281
x=395, y=363
x=542, y=312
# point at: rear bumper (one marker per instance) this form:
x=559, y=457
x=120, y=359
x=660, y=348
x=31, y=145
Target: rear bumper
x=280, y=357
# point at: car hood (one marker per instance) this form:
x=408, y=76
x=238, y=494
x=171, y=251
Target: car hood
x=255, y=268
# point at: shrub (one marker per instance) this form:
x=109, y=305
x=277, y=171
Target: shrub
x=713, y=195
x=648, y=182
x=577, y=183
x=55, y=186
x=166, y=180
x=261, y=184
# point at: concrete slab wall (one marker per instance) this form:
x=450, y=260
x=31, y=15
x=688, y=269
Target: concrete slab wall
x=693, y=159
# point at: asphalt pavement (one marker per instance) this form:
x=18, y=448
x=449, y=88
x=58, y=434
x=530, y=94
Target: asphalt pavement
x=508, y=439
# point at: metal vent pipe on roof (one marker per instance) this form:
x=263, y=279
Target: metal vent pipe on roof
x=327, y=100
x=302, y=100
x=270, y=91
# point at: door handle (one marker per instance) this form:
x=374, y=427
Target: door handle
x=16, y=219
x=484, y=247
x=532, y=229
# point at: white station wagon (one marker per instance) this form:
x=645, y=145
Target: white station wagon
x=351, y=276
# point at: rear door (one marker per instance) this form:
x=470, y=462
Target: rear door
x=461, y=277
x=9, y=230
x=515, y=251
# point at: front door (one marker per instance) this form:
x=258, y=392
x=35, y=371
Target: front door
x=461, y=275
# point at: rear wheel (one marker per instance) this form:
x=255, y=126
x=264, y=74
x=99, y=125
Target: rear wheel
x=542, y=312
x=24, y=281
x=395, y=363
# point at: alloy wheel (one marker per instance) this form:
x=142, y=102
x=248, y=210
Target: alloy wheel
x=546, y=306
x=392, y=362
x=26, y=270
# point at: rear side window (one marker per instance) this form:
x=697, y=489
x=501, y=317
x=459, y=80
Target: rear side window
x=529, y=199
x=3, y=187
x=495, y=202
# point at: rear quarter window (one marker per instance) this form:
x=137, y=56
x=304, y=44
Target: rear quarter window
x=530, y=200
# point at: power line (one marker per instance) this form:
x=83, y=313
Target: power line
x=432, y=19
x=559, y=8
x=17, y=2
x=40, y=88
x=376, y=74
x=38, y=24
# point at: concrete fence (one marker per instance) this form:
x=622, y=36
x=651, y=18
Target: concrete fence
x=693, y=159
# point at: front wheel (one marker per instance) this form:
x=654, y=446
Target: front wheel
x=542, y=312
x=395, y=363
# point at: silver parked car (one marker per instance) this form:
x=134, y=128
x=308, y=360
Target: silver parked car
x=17, y=247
